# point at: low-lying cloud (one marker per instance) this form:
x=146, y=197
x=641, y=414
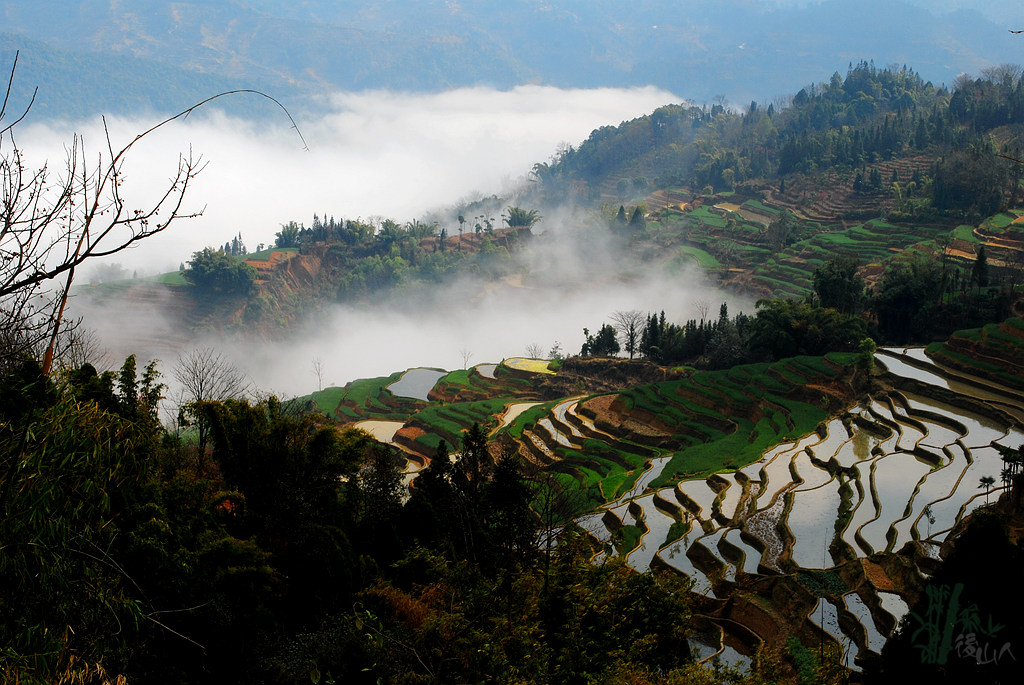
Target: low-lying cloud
x=393, y=155
x=490, y=321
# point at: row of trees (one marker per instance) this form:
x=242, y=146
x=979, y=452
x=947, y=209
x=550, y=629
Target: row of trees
x=388, y=231
x=218, y=272
x=779, y=328
x=915, y=300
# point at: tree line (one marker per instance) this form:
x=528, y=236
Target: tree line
x=916, y=300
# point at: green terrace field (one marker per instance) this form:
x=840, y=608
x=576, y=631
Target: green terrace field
x=994, y=352
x=113, y=288
x=448, y=421
x=366, y=398
x=790, y=272
x=1001, y=220
x=264, y=255
x=966, y=233
x=714, y=421
x=171, y=278
x=718, y=237
x=469, y=384
x=710, y=422
x=704, y=259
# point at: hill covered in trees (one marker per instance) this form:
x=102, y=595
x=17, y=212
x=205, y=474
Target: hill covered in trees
x=842, y=130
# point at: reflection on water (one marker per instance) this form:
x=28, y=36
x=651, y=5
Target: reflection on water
x=658, y=524
x=894, y=604
x=382, y=431
x=861, y=445
x=701, y=493
x=812, y=520
x=751, y=556
x=416, y=383
x=513, y=411
x=894, y=491
x=826, y=617
x=856, y=606
x=893, y=478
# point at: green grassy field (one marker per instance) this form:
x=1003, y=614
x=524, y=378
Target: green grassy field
x=264, y=255
x=706, y=260
x=171, y=278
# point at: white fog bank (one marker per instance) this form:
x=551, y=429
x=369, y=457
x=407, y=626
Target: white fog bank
x=490, y=322
x=377, y=154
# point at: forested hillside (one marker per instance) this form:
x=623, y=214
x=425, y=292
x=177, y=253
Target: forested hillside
x=840, y=130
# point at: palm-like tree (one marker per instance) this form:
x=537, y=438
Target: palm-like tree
x=1013, y=461
x=517, y=217
x=987, y=482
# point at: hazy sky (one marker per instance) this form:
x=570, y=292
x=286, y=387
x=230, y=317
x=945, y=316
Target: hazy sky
x=377, y=154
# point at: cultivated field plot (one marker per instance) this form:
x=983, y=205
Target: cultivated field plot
x=900, y=469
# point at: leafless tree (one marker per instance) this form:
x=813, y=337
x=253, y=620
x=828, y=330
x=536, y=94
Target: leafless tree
x=318, y=371
x=1005, y=74
x=534, y=351
x=703, y=307
x=782, y=102
x=727, y=250
x=205, y=375
x=52, y=221
x=466, y=356
x=78, y=345
x=630, y=325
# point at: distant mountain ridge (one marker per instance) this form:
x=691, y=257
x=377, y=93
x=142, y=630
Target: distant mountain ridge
x=741, y=49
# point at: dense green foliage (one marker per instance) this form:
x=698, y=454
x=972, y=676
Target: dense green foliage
x=847, y=125
x=288, y=551
x=780, y=328
x=129, y=552
x=603, y=344
x=216, y=272
x=355, y=261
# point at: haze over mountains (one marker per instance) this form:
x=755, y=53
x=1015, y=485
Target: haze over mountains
x=103, y=56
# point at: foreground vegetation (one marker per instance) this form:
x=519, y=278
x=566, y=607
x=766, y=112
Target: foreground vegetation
x=287, y=552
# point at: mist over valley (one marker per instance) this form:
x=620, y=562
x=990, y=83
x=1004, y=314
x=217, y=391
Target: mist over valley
x=384, y=156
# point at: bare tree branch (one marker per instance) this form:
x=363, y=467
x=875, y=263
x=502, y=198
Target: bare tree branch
x=50, y=225
x=629, y=324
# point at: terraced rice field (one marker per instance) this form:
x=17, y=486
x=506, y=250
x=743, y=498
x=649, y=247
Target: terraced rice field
x=530, y=365
x=727, y=477
x=790, y=271
x=416, y=383
x=902, y=468
x=382, y=431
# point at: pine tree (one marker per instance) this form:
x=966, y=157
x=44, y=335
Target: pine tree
x=620, y=218
x=637, y=221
